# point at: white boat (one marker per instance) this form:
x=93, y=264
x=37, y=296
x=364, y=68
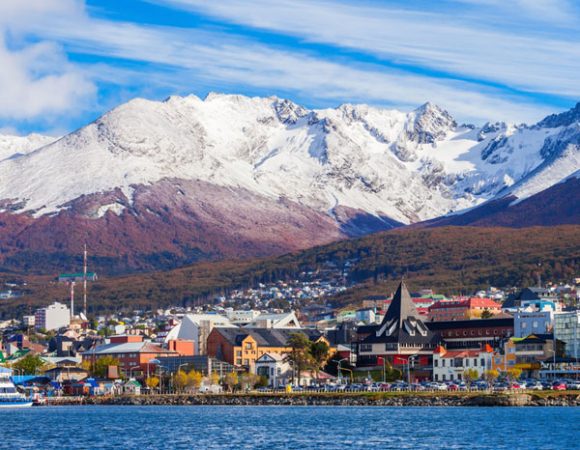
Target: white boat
x=9, y=395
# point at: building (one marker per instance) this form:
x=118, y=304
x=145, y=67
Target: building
x=451, y=365
x=274, y=368
x=238, y=317
x=473, y=334
x=461, y=309
x=278, y=321
x=28, y=321
x=514, y=301
x=196, y=328
x=76, y=277
x=527, y=354
x=366, y=315
x=52, y=317
x=131, y=351
x=402, y=338
x=566, y=325
x=532, y=322
x=243, y=346
x=202, y=363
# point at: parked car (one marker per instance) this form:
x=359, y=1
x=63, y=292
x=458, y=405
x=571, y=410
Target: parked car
x=573, y=384
x=500, y=387
x=452, y=387
x=558, y=386
x=384, y=386
x=536, y=386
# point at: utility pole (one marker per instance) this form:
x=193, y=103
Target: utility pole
x=72, y=300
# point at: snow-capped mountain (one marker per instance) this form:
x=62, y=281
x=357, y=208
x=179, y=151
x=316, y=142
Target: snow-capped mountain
x=267, y=169
x=15, y=146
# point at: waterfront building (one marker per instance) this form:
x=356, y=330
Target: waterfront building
x=132, y=352
x=566, y=328
x=402, y=338
x=197, y=328
x=274, y=368
x=243, y=346
x=202, y=363
x=473, y=334
x=241, y=317
x=450, y=365
x=52, y=317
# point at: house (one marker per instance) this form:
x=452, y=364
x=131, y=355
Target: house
x=402, y=339
x=131, y=351
x=531, y=322
x=131, y=387
x=66, y=373
x=275, y=368
x=528, y=353
x=243, y=346
x=450, y=365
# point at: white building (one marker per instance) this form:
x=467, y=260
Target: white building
x=28, y=321
x=196, y=328
x=241, y=317
x=274, y=368
x=451, y=365
x=52, y=317
x=284, y=321
x=566, y=328
x=532, y=322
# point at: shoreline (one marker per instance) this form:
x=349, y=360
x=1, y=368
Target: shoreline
x=570, y=399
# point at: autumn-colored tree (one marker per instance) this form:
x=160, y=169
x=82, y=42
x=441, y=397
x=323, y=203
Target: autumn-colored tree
x=491, y=376
x=152, y=382
x=248, y=380
x=180, y=381
x=469, y=376
x=513, y=373
x=231, y=380
x=214, y=378
x=194, y=379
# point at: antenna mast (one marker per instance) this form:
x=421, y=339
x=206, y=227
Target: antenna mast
x=85, y=280
x=72, y=300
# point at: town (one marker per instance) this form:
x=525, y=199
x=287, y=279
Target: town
x=287, y=337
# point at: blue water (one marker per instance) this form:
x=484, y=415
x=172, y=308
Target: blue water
x=279, y=427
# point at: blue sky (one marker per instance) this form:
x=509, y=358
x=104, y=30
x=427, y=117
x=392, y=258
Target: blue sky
x=66, y=62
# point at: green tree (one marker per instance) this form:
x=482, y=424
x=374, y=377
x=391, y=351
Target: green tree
x=29, y=364
x=100, y=367
x=299, y=356
x=319, y=354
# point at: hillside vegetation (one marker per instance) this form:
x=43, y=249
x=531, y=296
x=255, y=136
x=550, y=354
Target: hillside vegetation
x=449, y=259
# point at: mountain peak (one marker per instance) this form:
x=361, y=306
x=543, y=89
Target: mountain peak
x=429, y=123
x=562, y=119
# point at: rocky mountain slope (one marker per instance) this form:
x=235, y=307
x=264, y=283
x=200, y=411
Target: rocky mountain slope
x=154, y=184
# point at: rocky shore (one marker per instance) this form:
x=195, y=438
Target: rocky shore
x=367, y=399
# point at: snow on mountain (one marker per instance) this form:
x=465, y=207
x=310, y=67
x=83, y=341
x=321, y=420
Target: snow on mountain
x=14, y=146
x=406, y=167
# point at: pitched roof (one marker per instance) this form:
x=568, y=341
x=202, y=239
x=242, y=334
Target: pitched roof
x=265, y=337
x=402, y=322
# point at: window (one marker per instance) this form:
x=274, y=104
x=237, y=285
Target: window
x=482, y=362
x=443, y=377
x=474, y=362
x=443, y=363
x=248, y=346
x=246, y=362
x=436, y=362
x=239, y=361
x=366, y=347
x=239, y=353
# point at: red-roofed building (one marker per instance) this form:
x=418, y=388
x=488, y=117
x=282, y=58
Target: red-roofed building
x=451, y=365
x=462, y=308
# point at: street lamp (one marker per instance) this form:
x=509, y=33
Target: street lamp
x=339, y=361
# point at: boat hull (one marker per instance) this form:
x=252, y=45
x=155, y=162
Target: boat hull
x=23, y=404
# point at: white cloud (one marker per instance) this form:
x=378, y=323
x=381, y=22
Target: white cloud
x=37, y=79
x=526, y=58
